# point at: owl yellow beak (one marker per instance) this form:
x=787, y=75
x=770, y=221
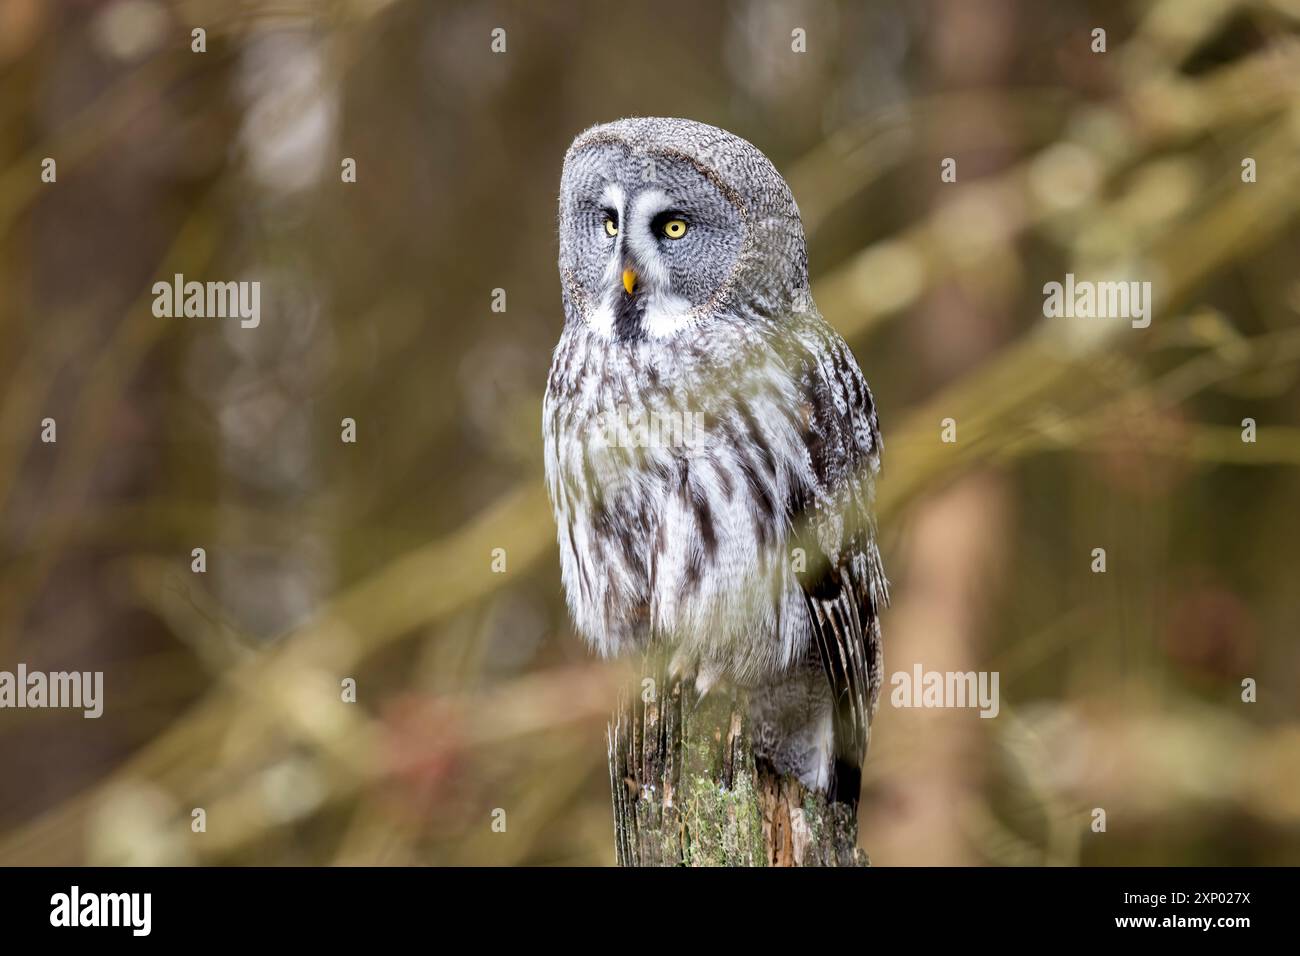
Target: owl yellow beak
x=629, y=280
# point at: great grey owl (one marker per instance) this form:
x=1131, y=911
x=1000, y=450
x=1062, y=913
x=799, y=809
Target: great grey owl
x=711, y=444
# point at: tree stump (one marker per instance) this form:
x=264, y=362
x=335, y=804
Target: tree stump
x=687, y=790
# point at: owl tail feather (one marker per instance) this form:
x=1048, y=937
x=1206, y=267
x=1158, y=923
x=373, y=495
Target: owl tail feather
x=846, y=782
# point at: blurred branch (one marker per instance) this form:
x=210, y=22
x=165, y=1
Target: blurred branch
x=853, y=159
x=82, y=137
x=132, y=339
x=891, y=275
x=995, y=404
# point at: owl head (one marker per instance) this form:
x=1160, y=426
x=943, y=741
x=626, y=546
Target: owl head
x=667, y=223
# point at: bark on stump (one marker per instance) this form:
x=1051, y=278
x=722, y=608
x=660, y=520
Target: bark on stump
x=687, y=790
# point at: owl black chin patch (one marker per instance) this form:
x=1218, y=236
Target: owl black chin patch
x=629, y=316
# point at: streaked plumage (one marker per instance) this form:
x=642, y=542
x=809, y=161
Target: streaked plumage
x=750, y=553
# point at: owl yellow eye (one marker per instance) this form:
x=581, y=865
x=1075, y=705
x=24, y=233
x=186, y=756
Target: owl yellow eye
x=611, y=228
x=675, y=228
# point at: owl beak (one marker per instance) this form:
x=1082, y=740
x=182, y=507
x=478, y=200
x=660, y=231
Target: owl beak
x=629, y=280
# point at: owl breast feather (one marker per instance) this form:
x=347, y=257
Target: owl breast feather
x=673, y=472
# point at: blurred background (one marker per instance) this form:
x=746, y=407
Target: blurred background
x=373, y=560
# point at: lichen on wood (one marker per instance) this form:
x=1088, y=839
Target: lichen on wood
x=687, y=790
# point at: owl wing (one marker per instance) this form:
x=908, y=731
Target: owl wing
x=844, y=584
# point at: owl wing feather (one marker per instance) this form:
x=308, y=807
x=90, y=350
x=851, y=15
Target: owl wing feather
x=844, y=583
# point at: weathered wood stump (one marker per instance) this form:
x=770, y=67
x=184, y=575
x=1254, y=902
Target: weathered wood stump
x=687, y=790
